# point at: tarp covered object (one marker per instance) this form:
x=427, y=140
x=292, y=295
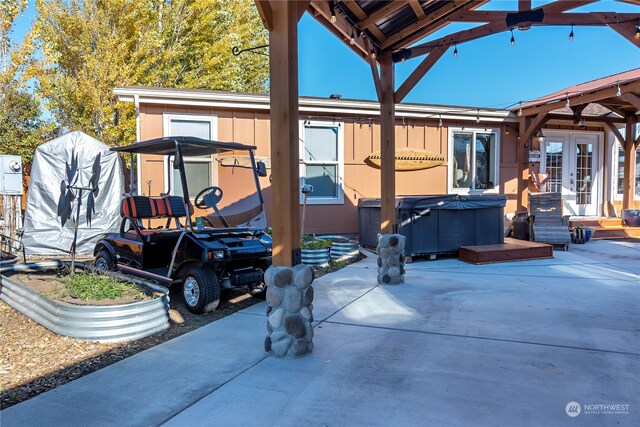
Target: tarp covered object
x=43, y=232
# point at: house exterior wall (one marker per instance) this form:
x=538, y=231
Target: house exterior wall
x=359, y=180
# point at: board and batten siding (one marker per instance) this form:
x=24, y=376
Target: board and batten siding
x=359, y=181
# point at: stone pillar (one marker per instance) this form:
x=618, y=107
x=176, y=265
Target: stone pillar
x=290, y=310
x=391, y=259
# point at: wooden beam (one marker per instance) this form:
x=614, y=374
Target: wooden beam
x=491, y=28
x=341, y=28
x=383, y=12
x=595, y=119
x=387, y=145
x=418, y=74
x=428, y=25
x=302, y=7
x=629, y=164
x=633, y=99
x=576, y=19
x=614, y=129
x=374, y=71
x=266, y=15
x=582, y=99
x=524, y=5
x=535, y=124
x=625, y=29
x=283, y=74
x=355, y=8
x=417, y=9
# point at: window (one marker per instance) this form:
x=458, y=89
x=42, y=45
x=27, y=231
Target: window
x=473, y=159
x=322, y=161
x=198, y=169
x=620, y=173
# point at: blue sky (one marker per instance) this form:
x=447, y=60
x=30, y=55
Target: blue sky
x=488, y=72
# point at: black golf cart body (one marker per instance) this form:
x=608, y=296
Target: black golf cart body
x=204, y=257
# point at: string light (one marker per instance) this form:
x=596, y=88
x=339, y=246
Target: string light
x=455, y=51
x=618, y=92
x=571, y=34
x=520, y=110
x=513, y=40
x=353, y=39
x=478, y=116
x=332, y=10
x=567, y=104
x=638, y=30
x=373, y=54
x=440, y=121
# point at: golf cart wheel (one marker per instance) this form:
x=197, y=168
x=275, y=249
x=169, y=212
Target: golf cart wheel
x=105, y=261
x=201, y=290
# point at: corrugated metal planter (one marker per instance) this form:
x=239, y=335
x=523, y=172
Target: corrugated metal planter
x=315, y=256
x=344, y=250
x=7, y=259
x=107, y=323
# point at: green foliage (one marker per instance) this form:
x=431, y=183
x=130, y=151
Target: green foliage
x=91, y=286
x=86, y=48
x=316, y=244
x=21, y=128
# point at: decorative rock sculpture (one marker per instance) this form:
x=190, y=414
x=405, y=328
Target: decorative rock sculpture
x=290, y=310
x=391, y=259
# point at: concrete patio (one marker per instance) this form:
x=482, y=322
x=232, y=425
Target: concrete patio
x=457, y=344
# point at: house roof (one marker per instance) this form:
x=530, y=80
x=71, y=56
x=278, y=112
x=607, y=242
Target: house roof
x=618, y=93
x=309, y=106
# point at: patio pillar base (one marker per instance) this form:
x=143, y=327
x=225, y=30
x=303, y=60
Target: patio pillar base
x=391, y=259
x=290, y=310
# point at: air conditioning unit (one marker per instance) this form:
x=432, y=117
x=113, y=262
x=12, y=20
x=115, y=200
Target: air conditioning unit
x=10, y=175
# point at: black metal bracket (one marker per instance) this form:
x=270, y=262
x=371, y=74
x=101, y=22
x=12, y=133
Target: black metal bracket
x=237, y=51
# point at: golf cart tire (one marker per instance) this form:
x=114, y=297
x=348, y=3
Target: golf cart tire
x=207, y=296
x=109, y=262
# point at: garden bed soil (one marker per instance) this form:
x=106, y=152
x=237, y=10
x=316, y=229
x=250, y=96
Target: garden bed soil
x=51, y=285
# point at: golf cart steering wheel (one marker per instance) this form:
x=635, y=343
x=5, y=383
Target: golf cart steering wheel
x=208, y=198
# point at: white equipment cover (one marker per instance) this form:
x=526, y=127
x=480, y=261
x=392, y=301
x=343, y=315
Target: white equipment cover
x=43, y=232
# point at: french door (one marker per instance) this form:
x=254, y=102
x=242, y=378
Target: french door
x=571, y=162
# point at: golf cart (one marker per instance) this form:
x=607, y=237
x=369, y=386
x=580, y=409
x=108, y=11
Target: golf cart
x=202, y=245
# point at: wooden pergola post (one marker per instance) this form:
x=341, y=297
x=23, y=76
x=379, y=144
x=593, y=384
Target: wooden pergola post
x=522, y=158
x=285, y=175
x=387, y=145
x=629, y=163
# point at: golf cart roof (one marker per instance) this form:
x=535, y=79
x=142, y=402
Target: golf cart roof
x=189, y=145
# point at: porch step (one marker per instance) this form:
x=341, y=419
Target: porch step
x=595, y=222
x=510, y=250
x=619, y=232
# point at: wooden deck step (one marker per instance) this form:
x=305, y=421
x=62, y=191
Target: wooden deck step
x=619, y=232
x=595, y=222
x=510, y=250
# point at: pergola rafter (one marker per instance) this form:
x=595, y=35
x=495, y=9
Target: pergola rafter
x=385, y=32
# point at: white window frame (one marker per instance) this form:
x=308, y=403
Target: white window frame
x=212, y=119
x=495, y=163
x=339, y=199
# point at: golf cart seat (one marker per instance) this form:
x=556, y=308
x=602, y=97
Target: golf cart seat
x=137, y=208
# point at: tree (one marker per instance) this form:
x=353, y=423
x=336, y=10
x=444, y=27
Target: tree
x=89, y=47
x=9, y=11
x=21, y=127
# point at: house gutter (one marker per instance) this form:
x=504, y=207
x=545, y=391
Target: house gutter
x=308, y=106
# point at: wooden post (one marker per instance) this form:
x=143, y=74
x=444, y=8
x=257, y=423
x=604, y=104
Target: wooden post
x=387, y=145
x=522, y=158
x=629, y=164
x=283, y=62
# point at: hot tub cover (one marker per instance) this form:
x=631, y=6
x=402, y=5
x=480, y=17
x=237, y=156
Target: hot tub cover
x=43, y=231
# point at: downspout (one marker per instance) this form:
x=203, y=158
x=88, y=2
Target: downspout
x=136, y=103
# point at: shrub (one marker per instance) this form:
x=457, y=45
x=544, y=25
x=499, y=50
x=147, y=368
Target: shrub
x=91, y=286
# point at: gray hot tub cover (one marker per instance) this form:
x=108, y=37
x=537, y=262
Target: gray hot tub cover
x=43, y=232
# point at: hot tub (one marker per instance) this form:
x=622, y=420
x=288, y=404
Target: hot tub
x=437, y=224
